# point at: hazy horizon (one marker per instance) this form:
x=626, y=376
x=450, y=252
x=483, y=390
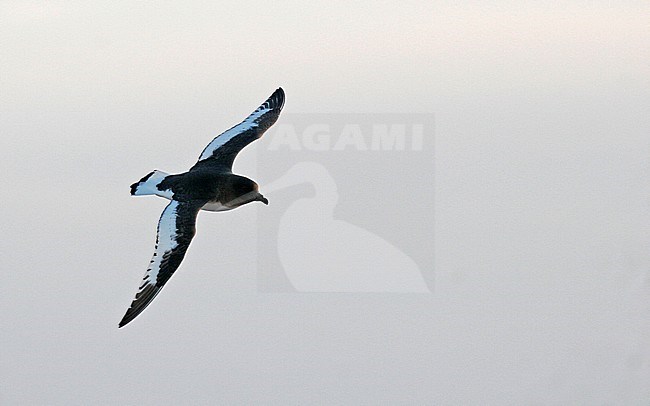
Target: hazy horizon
x=539, y=266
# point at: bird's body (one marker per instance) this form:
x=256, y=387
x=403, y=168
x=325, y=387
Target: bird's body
x=221, y=191
x=209, y=185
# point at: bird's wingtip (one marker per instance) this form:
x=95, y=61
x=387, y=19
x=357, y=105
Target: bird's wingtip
x=123, y=322
x=278, y=98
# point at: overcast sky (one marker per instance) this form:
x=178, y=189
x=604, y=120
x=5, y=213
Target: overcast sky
x=540, y=272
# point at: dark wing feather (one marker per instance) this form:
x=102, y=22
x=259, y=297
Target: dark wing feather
x=223, y=149
x=176, y=228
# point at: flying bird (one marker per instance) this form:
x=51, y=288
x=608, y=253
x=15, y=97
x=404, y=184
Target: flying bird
x=209, y=185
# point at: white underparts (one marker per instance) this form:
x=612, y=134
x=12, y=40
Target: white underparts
x=215, y=206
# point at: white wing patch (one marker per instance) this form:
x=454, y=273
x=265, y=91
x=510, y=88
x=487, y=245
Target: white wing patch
x=221, y=139
x=165, y=241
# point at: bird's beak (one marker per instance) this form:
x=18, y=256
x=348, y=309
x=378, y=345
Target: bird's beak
x=263, y=199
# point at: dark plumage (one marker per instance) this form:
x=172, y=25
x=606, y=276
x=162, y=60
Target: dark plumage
x=208, y=185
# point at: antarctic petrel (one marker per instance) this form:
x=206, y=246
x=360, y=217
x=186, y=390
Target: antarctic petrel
x=208, y=185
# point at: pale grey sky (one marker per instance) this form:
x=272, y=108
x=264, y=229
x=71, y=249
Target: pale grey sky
x=541, y=240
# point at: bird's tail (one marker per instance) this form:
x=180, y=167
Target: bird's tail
x=149, y=185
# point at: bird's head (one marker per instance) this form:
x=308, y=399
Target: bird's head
x=244, y=190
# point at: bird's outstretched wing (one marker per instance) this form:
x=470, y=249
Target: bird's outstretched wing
x=176, y=229
x=221, y=152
